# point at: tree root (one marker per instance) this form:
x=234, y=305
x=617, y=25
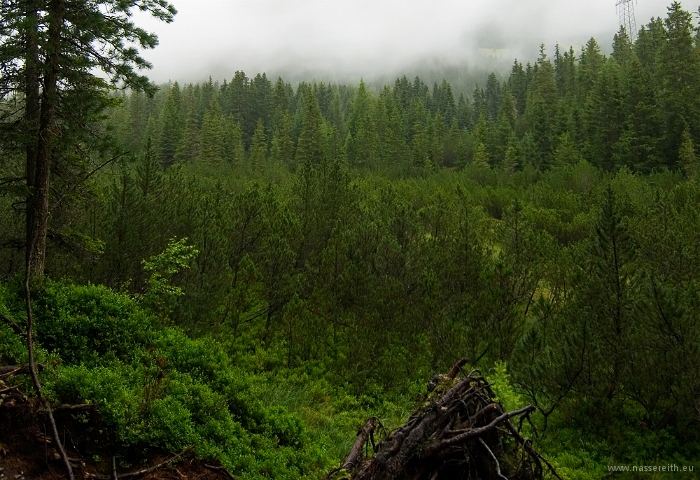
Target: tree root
x=460, y=431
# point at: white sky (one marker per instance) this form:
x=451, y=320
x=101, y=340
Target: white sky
x=366, y=37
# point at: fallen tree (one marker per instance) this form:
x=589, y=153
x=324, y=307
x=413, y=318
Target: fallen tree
x=460, y=431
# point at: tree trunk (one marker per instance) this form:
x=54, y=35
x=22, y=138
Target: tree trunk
x=48, y=132
x=32, y=112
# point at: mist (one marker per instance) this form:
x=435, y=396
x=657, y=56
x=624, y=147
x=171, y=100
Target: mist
x=349, y=39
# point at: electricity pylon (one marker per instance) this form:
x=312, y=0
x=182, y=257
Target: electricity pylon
x=625, y=9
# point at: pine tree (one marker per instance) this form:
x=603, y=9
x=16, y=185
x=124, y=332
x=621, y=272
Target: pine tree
x=687, y=159
x=148, y=171
x=681, y=80
x=258, y=147
x=212, y=135
x=171, y=127
x=234, y=150
x=492, y=97
x=604, y=116
x=566, y=153
x=518, y=84
x=480, y=159
x=502, y=134
x=538, y=123
x=622, y=48
x=510, y=161
x=445, y=102
x=310, y=144
x=189, y=146
x=421, y=151
x=451, y=145
x=282, y=149
x=465, y=116
x=639, y=143
x=362, y=142
x=609, y=294
x=590, y=63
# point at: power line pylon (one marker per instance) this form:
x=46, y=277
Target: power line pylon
x=625, y=9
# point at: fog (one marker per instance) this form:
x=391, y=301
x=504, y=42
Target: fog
x=345, y=39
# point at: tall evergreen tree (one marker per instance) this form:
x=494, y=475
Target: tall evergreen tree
x=170, y=134
x=258, y=147
x=310, y=144
x=362, y=142
x=687, y=158
x=681, y=80
x=212, y=135
x=282, y=148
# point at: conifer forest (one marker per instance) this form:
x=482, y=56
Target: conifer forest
x=247, y=278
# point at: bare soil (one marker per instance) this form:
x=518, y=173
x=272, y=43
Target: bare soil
x=27, y=451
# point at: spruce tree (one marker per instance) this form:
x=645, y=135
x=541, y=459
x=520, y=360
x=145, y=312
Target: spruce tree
x=234, y=150
x=310, y=144
x=189, y=146
x=681, y=80
x=362, y=142
x=170, y=134
x=510, y=161
x=480, y=158
x=687, y=158
x=212, y=135
x=258, y=147
x=566, y=153
x=282, y=148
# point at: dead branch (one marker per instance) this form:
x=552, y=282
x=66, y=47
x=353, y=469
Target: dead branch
x=77, y=407
x=16, y=328
x=456, y=368
x=6, y=371
x=475, y=432
x=355, y=456
x=144, y=471
x=493, y=457
x=222, y=470
x=456, y=433
x=8, y=389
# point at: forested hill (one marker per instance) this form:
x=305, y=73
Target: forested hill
x=639, y=108
x=248, y=270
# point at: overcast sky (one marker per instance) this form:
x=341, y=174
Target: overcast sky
x=365, y=37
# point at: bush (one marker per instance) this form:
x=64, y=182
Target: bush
x=154, y=387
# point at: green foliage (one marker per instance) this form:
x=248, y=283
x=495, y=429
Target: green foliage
x=156, y=388
x=162, y=267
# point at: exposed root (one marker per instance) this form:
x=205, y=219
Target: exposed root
x=459, y=432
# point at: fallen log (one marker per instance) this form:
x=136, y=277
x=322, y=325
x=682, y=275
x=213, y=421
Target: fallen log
x=460, y=431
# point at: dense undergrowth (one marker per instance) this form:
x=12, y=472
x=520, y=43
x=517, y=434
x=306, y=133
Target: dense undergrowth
x=157, y=389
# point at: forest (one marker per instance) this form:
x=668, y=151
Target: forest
x=250, y=269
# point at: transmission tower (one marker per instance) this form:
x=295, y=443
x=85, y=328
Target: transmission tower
x=625, y=9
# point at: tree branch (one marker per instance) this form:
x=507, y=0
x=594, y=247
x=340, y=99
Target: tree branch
x=495, y=460
x=17, y=329
x=146, y=470
x=475, y=432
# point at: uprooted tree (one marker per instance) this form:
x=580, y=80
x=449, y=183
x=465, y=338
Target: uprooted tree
x=460, y=431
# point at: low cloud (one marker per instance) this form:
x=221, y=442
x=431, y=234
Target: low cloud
x=352, y=38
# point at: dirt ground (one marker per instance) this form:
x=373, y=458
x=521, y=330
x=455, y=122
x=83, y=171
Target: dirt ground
x=27, y=451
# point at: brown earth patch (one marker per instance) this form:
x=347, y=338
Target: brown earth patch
x=27, y=451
